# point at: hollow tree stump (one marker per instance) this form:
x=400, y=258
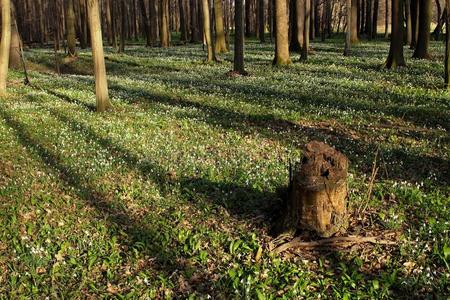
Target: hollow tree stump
x=317, y=197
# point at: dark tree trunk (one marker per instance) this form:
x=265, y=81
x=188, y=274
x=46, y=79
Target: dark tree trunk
x=447, y=47
x=375, y=18
x=423, y=38
x=395, y=57
x=261, y=21
x=239, y=37
x=414, y=10
x=354, y=21
x=408, y=22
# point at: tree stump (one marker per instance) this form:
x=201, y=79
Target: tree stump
x=317, y=196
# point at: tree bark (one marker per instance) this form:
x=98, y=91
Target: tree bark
x=386, y=20
x=207, y=32
x=261, y=21
x=70, y=28
x=101, y=84
x=15, y=60
x=221, y=43
x=395, y=58
x=348, y=35
x=375, y=19
x=164, y=23
x=239, y=37
x=354, y=22
x=423, y=38
x=306, y=27
x=296, y=21
x=408, y=22
x=5, y=44
x=281, y=34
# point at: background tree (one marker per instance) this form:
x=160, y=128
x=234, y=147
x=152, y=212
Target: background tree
x=5, y=43
x=354, y=22
x=447, y=47
x=15, y=61
x=306, y=27
x=395, y=58
x=101, y=84
x=281, y=34
x=348, y=35
x=164, y=23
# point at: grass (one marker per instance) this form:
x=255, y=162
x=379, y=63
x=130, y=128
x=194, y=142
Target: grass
x=174, y=192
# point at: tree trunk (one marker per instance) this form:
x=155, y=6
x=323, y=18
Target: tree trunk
x=207, y=31
x=183, y=21
x=123, y=25
x=146, y=22
x=395, y=58
x=312, y=31
x=15, y=60
x=447, y=47
x=375, y=18
x=354, y=21
x=414, y=11
x=221, y=43
x=164, y=23
x=281, y=34
x=305, y=46
x=423, y=38
x=348, y=35
x=386, y=20
x=70, y=28
x=317, y=198
x=408, y=22
x=440, y=19
x=101, y=84
x=239, y=37
x=296, y=21
x=261, y=20
x=5, y=44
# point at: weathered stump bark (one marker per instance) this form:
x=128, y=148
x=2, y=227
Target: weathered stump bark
x=317, y=197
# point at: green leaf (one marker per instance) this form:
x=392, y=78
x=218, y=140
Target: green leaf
x=260, y=295
x=446, y=251
x=375, y=284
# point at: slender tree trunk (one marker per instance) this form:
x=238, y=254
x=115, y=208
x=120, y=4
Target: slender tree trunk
x=5, y=44
x=368, y=27
x=348, y=35
x=70, y=28
x=354, y=21
x=423, y=38
x=447, y=47
x=15, y=61
x=296, y=22
x=375, y=19
x=183, y=21
x=312, y=31
x=440, y=20
x=164, y=23
x=207, y=31
x=281, y=34
x=239, y=37
x=395, y=57
x=408, y=22
x=414, y=11
x=123, y=25
x=261, y=20
x=101, y=84
x=221, y=44
x=305, y=46
x=386, y=20
x=153, y=16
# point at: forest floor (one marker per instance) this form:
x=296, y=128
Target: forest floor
x=174, y=192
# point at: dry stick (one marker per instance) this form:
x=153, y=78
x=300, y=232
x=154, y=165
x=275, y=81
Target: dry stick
x=335, y=241
x=371, y=181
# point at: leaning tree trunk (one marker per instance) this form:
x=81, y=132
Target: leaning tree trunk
x=101, y=84
x=423, y=38
x=239, y=37
x=317, y=197
x=5, y=44
x=221, y=43
x=395, y=58
x=70, y=28
x=281, y=34
x=15, y=60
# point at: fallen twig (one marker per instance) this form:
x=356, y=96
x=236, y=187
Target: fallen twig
x=335, y=241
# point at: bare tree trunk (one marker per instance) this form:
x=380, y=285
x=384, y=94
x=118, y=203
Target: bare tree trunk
x=348, y=35
x=239, y=37
x=447, y=47
x=15, y=61
x=5, y=44
x=306, y=27
x=221, y=44
x=281, y=34
x=354, y=21
x=183, y=21
x=395, y=57
x=423, y=38
x=164, y=23
x=408, y=22
x=375, y=19
x=70, y=28
x=261, y=21
x=101, y=84
x=386, y=21
x=207, y=31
